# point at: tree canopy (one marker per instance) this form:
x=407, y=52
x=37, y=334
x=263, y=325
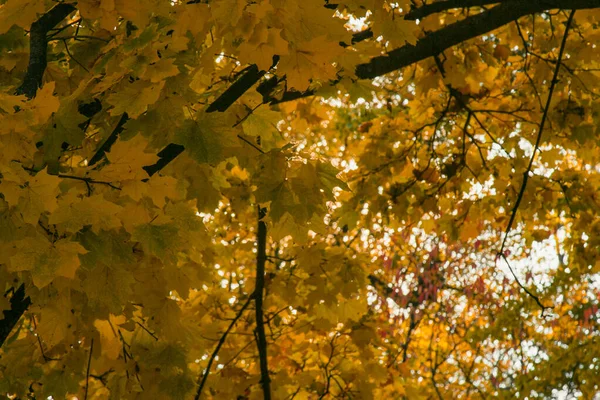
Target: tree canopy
x=299, y=199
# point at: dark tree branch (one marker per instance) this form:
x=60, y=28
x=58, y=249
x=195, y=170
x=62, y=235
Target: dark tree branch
x=253, y=75
x=112, y=138
x=261, y=338
x=237, y=89
x=18, y=304
x=166, y=155
x=38, y=47
x=428, y=9
x=533, y=154
x=430, y=45
x=461, y=31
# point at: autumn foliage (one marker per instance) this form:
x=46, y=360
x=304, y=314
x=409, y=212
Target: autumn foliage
x=300, y=199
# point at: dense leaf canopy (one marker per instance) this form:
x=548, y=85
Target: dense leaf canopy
x=299, y=199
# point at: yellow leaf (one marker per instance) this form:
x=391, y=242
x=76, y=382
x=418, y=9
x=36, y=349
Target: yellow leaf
x=19, y=12
x=135, y=189
x=127, y=159
x=44, y=104
x=134, y=98
x=162, y=69
x=162, y=187
x=56, y=320
x=46, y=260
x=310, y=61
x=260, y=48
x=395, y=29
x=9, y=102
x=470, y=229
x=192, y=18
x=110, y=343
x=74, y=213
x=33, y=195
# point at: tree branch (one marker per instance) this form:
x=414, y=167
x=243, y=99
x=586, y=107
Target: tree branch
x=261, y=338
x=237, y=89
x=428, y=46
x=87, y=373
x=166, y=155
x=539, y=135
x=112, y=138
x=428, y=9
x=253, y=75
x=38, y=47
x=463, y=30
x=533, y=154
x=18, y=304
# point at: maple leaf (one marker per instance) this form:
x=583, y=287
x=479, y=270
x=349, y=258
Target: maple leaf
x=33, y=195
x=44, y=104
x=10, y=103
x=160, y=70
x=395, y=29
x=73, y=213
x=46, y=260
x=21, y=13
x=310, y=61
x=135, y=97
x=262, y=46
x=207, y=138
x=262, y=123
x=126, y=161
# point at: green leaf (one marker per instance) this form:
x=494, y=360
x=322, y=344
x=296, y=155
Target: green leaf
x=207, y=138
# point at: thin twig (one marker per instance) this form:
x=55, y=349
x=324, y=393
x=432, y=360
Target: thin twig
x=87, y=374
x=204, y=376
x=39, y=340
x=88, y=180
x=63, y=38
x=533, y=296
x=147, y=331
x=251, y=144
x=73, y=58
x=62, y=28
